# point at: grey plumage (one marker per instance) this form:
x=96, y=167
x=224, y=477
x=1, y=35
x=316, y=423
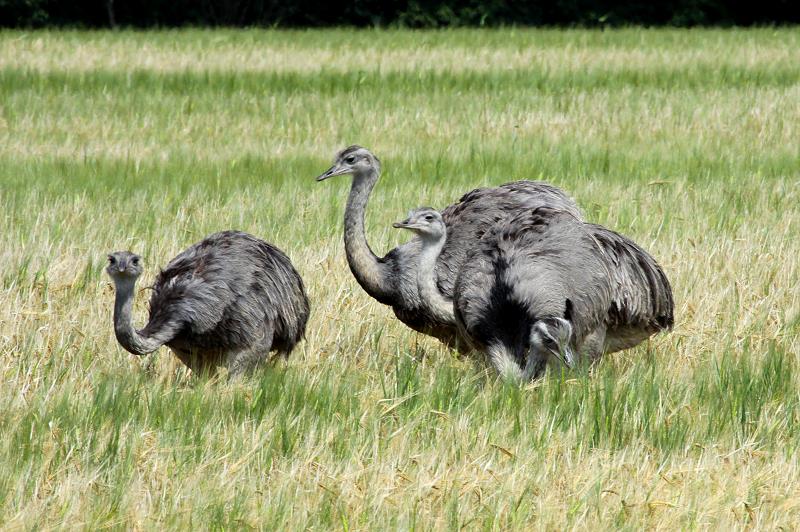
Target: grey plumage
x=642, y=301
x=392, y=279
x=544, y=284
x=229, y=299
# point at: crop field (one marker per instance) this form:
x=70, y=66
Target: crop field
x=686, y=141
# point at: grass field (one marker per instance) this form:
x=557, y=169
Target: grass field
x=686, y=141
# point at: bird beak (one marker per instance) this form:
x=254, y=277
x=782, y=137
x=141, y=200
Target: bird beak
x=408, y=223
x=120, y=268
x=334, y=171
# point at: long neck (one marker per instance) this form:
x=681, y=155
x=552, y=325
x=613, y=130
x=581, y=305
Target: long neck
x=370, y=273
x=127, y=335
x=438, y=305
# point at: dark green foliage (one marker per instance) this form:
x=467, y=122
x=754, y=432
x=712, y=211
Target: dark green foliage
x=412, y=13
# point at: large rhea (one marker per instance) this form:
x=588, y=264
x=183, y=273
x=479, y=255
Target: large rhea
x=543, y=286
x=392, y=279
x=227, y=300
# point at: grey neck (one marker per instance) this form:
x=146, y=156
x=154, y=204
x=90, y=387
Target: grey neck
x=128, y=337
x=370, y=273
x=437, y=304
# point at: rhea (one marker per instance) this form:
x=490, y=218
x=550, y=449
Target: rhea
x=392, y=279
x=227, y=300
x=544, y=287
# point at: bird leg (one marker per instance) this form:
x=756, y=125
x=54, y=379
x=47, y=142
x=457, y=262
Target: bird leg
x=198, y=361
x=594, y=344
x=535, y=365
x=245, y=361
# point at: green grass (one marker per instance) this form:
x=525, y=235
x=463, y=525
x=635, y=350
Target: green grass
x=687, y=141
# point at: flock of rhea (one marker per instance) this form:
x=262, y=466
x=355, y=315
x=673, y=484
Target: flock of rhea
x=511, y=271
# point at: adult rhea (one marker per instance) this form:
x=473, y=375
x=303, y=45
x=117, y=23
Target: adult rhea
x=543, y=286
x=392, y=279
x=227, y=300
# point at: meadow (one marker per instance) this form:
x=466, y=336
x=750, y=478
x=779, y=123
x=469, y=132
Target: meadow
x=684, y=140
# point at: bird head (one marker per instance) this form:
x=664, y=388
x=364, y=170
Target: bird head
x=554, y=336
x=353, y=160
x=424, y=221
x=124, y=265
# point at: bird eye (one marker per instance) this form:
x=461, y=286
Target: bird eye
x=350, y=160
x=111, y=260
x=135, y=261
x=429, y=217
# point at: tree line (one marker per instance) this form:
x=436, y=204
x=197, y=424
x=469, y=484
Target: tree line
x=393, y=13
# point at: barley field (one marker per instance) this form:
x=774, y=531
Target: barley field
x=686, y=141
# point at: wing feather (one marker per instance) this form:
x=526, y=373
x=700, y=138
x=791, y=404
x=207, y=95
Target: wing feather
x=642, y=295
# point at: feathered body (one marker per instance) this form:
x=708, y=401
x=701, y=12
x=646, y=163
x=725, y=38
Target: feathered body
x=392, y=279
x=547, y=266
x=467, y=221
x=229, y=299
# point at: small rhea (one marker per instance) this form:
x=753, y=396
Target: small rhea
x=426, y=222
x=429, y=225
x=227, y=300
